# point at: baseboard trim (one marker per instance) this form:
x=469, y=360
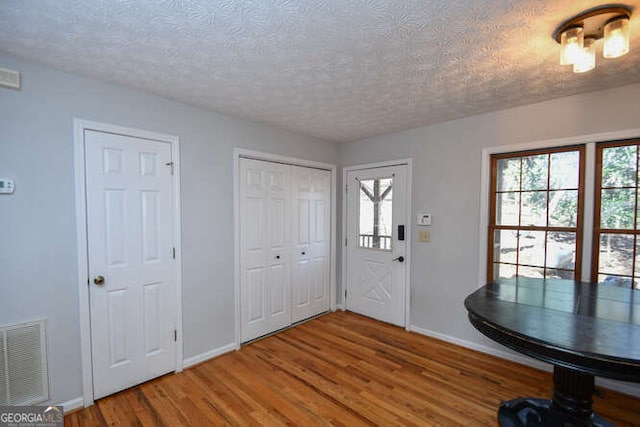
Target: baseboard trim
x=340, y=307
x=484, y=349
x=72, y=405
x=78, y=403
x=620, y=386
x=207, y=355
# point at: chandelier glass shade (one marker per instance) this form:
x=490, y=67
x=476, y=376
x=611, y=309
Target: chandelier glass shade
x=616, y=38
x=572, y=42
x=586, y=58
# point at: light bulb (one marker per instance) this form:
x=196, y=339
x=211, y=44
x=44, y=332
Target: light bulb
x=616, y=38
x=572, y=42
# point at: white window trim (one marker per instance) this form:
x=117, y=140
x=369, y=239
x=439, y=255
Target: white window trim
x=590, y=141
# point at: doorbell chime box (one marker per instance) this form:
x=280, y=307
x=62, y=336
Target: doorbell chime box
x=424, y=218
x=6, y=186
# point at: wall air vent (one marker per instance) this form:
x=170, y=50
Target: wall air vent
x=23, y=364
x=10, y=79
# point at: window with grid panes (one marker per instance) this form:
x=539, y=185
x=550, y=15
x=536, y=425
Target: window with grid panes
x=535, y=224
x=616, y=248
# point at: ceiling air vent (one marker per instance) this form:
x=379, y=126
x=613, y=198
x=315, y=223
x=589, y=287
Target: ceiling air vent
x=10, y=79
x=23, y=364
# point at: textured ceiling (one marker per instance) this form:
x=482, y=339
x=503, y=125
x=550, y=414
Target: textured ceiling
x=341, y=70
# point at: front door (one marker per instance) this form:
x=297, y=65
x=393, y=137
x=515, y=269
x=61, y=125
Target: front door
x=130, y=240
x=377, y=242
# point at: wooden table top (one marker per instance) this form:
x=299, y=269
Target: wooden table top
x=590, y=328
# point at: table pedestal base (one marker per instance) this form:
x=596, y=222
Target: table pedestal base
x=571, y=406
x=525, y=412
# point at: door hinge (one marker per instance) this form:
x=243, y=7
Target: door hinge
x=175, y=335
x=345, y=294
x=345, y=241
x=173, y=252
x=170, y=164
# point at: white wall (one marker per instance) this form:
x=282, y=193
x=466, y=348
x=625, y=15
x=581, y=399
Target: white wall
x=37, y=239
x=446, y=183
x=38, y=271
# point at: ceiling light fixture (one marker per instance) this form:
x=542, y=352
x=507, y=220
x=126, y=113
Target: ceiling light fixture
x=578, y=36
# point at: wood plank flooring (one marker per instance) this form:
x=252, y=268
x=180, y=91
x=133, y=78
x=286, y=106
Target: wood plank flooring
x=339, y=369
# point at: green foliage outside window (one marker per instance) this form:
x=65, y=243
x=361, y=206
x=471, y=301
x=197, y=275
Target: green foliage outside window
x=619, y=166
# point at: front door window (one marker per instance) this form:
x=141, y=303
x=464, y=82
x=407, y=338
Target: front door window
x=375, y=212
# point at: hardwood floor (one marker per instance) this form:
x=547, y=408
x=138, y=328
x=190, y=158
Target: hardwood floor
x=339, y=369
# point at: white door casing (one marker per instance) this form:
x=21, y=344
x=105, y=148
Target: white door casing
x=376, y=278
x=311, y=285
x=130, y=241
x=265, y=250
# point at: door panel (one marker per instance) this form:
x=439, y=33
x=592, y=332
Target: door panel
x=115, y=226
x=265, y=255
x=255, y=295
x=152, y=294
x=129, y=230
x=278, y=302
x=376, y=206
x=311, y=250
x=150, y=217
x=119, y=348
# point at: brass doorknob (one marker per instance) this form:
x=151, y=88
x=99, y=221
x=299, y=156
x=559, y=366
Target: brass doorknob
x=99, y=280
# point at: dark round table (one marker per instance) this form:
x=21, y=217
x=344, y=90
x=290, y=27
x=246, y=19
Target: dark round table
x=583, y=329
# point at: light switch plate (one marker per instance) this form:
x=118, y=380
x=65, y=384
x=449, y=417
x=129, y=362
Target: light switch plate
x=424, y=236
x=10, y=79
x=6, y=186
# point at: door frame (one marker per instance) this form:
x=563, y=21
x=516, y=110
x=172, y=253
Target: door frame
x=79, y=128
x=239, y=153
x=408, y=234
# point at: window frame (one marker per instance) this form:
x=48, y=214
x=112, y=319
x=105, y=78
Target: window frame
x=500, y=145
x=597, y=208
x=580, y=215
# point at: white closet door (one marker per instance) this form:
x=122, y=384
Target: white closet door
x=265, y=242
x=129, y=230
x=310, y=236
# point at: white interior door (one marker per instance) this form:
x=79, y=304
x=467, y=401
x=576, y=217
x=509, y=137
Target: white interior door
x=376, y=264
x=265, y=248
x=130, y=241
x=310, y=285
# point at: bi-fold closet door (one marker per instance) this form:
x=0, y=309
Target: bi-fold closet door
x=284, y=245
x=310, y=237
